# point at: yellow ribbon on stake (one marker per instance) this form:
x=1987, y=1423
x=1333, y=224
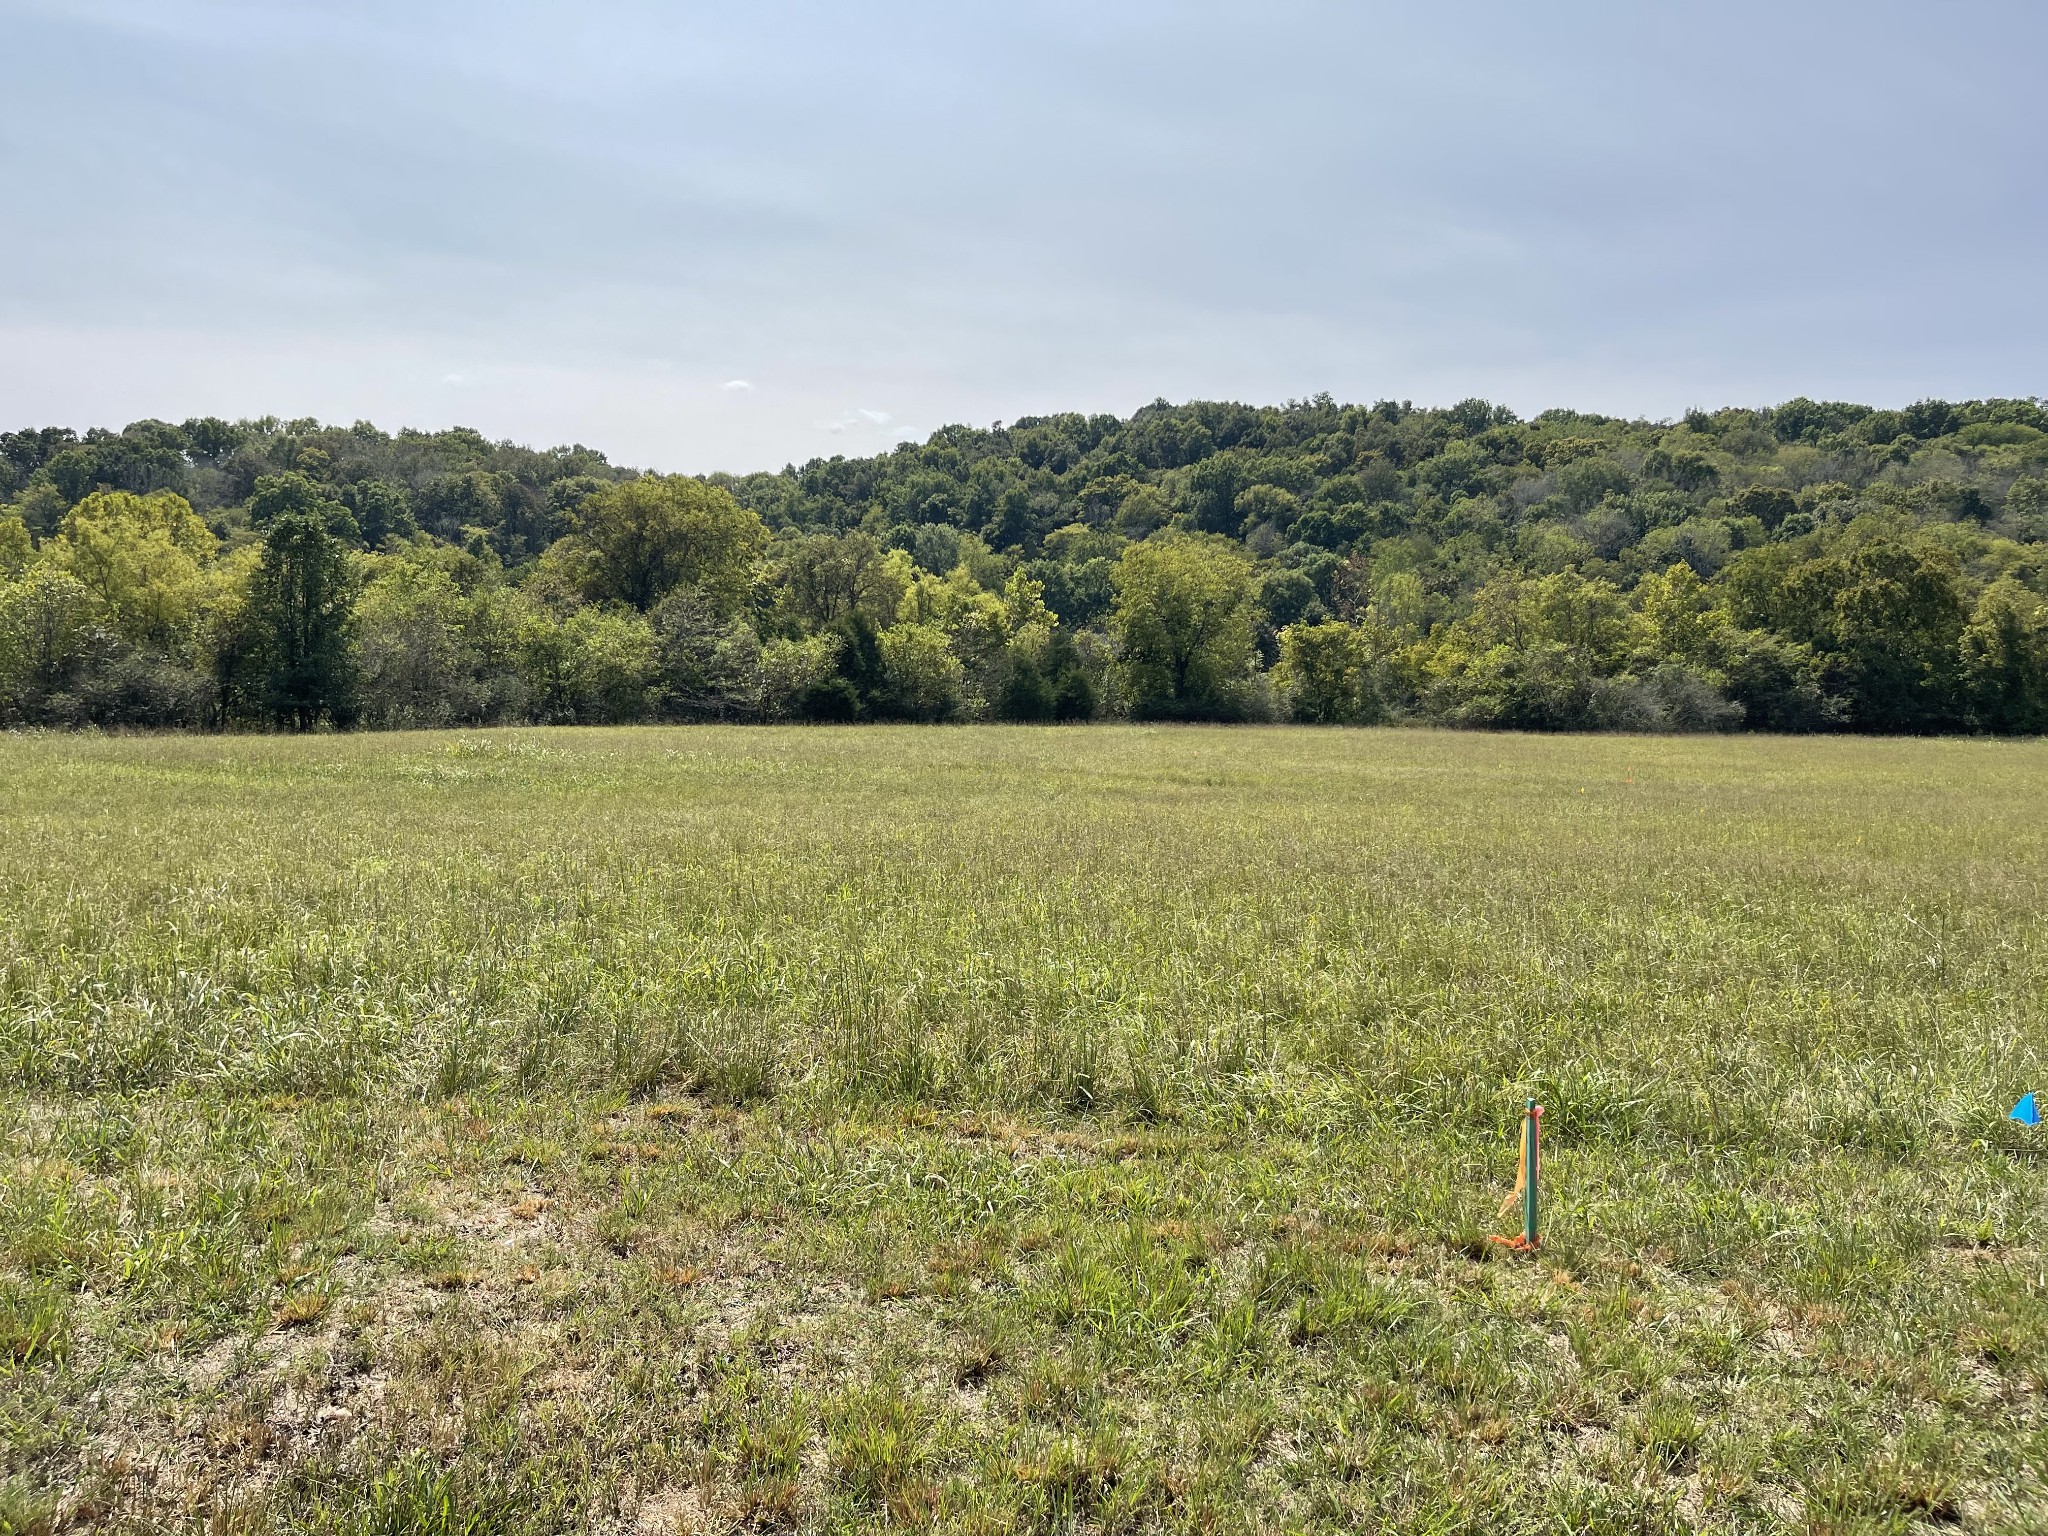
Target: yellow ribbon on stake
x=1528, y=1168
x=1521, y=1188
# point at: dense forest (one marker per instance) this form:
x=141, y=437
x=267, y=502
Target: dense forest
x=1813, y=566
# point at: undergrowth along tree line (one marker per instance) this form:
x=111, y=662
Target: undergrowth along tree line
x=1811, y=566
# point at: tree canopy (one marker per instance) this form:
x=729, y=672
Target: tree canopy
x=636, y=541
x=1815, y=565
x=1183, y=620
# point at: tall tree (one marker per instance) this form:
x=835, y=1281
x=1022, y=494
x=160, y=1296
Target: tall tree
x=48, y=639
x=277, y=496
x=300, y=614
x=638, y=541
x=2005, y=659
x=1184, y=622
x=143, y=559
x=1889, y=615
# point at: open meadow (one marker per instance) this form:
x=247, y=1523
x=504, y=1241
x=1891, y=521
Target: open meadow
x=1019, y=1129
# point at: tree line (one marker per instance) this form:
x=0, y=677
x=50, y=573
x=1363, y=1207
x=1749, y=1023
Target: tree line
x=1810, y=566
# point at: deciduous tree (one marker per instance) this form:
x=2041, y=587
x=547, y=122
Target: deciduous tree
x=636, y=542
x=1184, y=625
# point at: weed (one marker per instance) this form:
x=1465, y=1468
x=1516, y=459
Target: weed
x=304, y=1307
x=414, y=1497
x=1669, y=1433
x=35, y=1325
x=26, y=1510
x=877, y=1445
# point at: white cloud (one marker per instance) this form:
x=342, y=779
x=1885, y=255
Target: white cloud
x=860, y=419
x=736, y=387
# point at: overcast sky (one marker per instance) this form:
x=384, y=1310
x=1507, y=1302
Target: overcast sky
x=729, y=236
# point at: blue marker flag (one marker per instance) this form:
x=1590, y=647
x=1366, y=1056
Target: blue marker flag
x=2027, y=1111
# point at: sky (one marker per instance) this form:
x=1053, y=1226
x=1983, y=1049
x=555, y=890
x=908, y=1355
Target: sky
x=704, y=237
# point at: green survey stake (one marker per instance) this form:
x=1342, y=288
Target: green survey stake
x=1534, y=1153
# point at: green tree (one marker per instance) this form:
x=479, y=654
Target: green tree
x=1210, y=489
x=415, y=662
x=860, y=688
x=293, y=494
x=1585, y=615
x=382, y=510
x=1779, y=683
x=616, y=665
x=1067, y=670
x=1266, y=504
x=15, y=544
x=2005, y=660
x=300, y=615
x=1889, y=616
x=1043, y=677
x=925, y=678
x=1537, y=654
x=1184, y=623
x=1026, y=692
x=2027, y=505
x=1289, y=597
x=466, y=507
x=1679, y=613
x=144, y=560
x=792, y=671
x=598, y=666
x=49, y=641
x=1327, y=673
x=1768, y=504
x=825, y=579
x=710, y=666
x=637, y=541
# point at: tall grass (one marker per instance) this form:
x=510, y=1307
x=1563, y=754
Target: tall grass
x=1163, y=1075
x=1806, y=940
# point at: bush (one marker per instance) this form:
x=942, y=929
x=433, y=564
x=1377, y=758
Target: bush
x=135, y=688
x=1669, y=699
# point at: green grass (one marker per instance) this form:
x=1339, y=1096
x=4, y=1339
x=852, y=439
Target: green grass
x=1002, y=1129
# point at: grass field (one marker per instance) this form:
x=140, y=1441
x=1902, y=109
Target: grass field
x=1004, y=1129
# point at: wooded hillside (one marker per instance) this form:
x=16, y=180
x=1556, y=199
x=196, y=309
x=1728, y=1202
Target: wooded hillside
x=1808, y=567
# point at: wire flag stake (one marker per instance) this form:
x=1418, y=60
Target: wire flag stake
x=1528, y=1175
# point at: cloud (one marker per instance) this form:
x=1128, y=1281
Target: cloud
x=857, y=420
x=737, y=387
